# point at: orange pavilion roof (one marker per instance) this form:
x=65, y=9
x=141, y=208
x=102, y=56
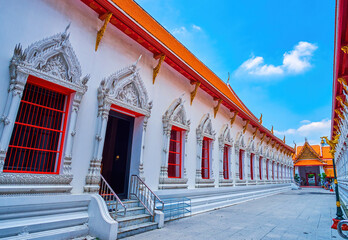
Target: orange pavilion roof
x=326, y=152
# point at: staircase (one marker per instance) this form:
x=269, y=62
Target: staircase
x=135, y=215
x=137, y=219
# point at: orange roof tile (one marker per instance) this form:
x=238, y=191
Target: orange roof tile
x=154, y=28
x=329, y=172
x=326, y=152
x=316, y=149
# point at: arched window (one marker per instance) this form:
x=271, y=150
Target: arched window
x=175, y=132
x=267, y=169
x=241, y=163
x=260, y=167
x=205, y=142
x=225, y=149
x=252, y=156
x=40, y=114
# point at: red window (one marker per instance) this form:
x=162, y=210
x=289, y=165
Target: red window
x=241, y=157
x=225, y=165
x=38, y=135
x=252, y=166
x=205, y=159
x=260, y=167
x=277, y=170
x=273, y=170
x=267, y=162
x=175, y=154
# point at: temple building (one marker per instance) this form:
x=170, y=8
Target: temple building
x=312, y=164
x=339, y=114
x=105, y=115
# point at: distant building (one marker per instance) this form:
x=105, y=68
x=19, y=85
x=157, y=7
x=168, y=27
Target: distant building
x=311, y=161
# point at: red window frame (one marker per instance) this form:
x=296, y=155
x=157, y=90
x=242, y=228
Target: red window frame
x=277, y=170
x=225, y=162
x=38, y=136
x=267, y=163
x=273, y=170
x=175, y=152
x=241, y=152
x=205, y=167
x=260, y=167
x=252, y=166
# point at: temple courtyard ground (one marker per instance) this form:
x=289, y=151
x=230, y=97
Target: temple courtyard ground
x=296, y=214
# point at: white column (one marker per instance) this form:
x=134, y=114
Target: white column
x=9, y=120
x=93, y=176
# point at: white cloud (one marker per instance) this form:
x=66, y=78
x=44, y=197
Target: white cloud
x=179, y=31
x=305, y=121
x=294, y=62
x=297, y=60
x=310, y=130
x=195, y=27
x=184, y=32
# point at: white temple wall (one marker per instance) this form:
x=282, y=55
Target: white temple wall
x=42, y=18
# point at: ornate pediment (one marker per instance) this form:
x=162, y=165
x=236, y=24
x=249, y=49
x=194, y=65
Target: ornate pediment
x=307, y=153
x=176, y=115
x=52, y=59
x=225, y=136
x=205, y=128
x=126, y=89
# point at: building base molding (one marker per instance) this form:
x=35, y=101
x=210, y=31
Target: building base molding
x=17, y=183
x=226, y=183
x=173, y=183
x=205, y=183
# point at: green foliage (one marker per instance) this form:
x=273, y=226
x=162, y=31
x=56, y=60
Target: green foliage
x=297, y=177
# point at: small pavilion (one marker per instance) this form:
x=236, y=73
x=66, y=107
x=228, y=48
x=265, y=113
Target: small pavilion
x=310, y=161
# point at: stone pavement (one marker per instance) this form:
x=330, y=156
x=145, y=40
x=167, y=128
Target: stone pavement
x=297, y=214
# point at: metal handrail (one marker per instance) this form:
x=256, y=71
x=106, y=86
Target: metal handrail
x=111, y=199
x=145, y=195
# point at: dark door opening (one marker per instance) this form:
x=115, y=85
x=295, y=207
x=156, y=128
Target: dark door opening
x=117, y=152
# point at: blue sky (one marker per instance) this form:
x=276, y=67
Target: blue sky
x=279, y=54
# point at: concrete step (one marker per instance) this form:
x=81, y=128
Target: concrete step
x=55, y=234
x=133, y=220
x=229, y=202
x=136, y=229
x=130, y=203
x=132, y=211
x=41, y=223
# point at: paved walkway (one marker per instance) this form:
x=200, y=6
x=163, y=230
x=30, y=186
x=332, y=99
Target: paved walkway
x=297, y=214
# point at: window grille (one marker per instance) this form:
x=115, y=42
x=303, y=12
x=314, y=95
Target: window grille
x=260, y=167
x=38, y=133
x=205, y=159
x=241, y=154
x=267, y=163
x=252, y=166
x=225, y=164
x=175, y=154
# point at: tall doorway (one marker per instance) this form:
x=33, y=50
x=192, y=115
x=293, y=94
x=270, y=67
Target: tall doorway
x=117, y=152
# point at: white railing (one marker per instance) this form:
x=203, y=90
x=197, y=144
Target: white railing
x=144, y=194
x=111, y=199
